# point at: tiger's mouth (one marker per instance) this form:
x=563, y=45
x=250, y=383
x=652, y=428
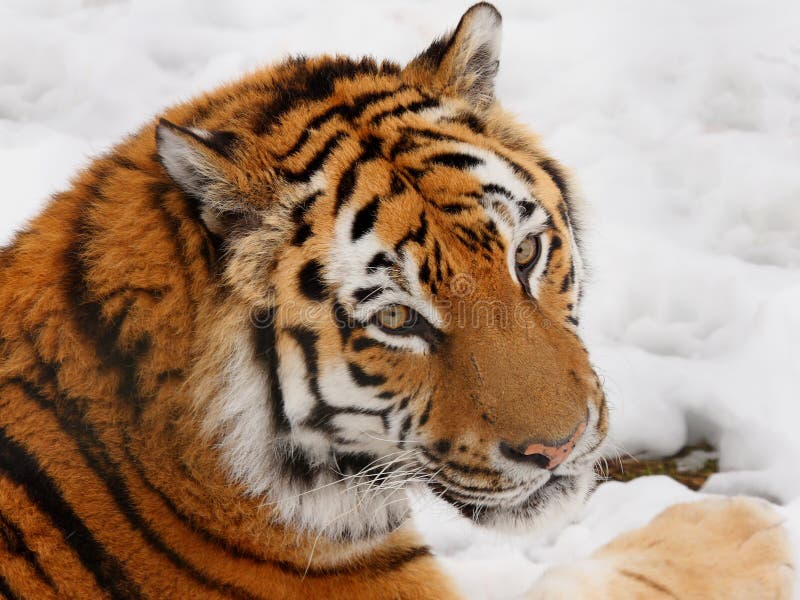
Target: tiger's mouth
x=497, y=501
x=559, y=496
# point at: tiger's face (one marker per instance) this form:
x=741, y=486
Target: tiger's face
x=429, y=318
x=400, y=281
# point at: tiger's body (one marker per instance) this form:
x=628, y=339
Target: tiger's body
x=205, y=386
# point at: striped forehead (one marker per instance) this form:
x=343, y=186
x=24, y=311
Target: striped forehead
x=379, y=238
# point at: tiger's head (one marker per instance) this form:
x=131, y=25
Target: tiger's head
x=399, y=278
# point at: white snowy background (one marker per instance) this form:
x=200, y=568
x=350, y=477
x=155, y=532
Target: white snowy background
x=681, y=121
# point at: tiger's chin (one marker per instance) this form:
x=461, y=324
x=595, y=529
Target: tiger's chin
x=548, y=506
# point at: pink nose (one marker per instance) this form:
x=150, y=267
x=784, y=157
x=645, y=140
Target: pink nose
x=552, y=456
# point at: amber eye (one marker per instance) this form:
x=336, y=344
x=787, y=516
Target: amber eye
x=393, y=317
x=528, y=252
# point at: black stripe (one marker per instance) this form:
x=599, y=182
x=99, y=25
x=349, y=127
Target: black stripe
x=363, y=343
x=6, y=591
x=403, y=145
x=365, y=219
x=343, y=321
x=433, y=55
x=519, y=170
x=426, y=413
x=352, y=110
x=299, y=82
x=372, y=147
x=565, y=284
x=286, y=567
x=407, y=108
x=437, y=259
x=469, y=233
x=298, y=216
x=407, y=140
x=322, y=413
x=470, y=492
x=301, y=208
x=526, y=208
x=210, y=244
x=555, y=244
x=15, y=541
x=302, y=234
x=397, y=185
x=470, y=469
x=347, y=183
x=363, y=378
x=364, y=294
x=354, y=462
x=74, y=424
x=405, y=427
x=553, y=169
x=222, y=142
x=425, y=273
x=470, y=121
x=418, y=235
x=312, y=166
x=87, y=437
x=310, y=281
x=379, y=261
x=124, y=162
x=455, y=160
x=370, y=150
x=266, y=351
x=23, y=468
x=471, y=246
x=432, y=135
x=103, y=332
x=297, y=467
x=383, y=414
x=453, y=208
x=494, y=188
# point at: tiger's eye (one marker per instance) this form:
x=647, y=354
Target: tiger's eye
x=393, y=317
x=527, y=251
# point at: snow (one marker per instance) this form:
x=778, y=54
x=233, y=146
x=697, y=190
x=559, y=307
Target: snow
x=681, y=121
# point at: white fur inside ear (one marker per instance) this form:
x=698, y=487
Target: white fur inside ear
x=478, y=55
x=485, y=28
x=186, y=165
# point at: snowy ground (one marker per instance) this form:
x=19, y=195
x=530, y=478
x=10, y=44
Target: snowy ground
x=681, y=121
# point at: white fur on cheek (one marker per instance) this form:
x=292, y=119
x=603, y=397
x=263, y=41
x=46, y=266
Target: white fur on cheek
x=340, y=390
x=254, y=452
x=293, y=374
x=245, y=419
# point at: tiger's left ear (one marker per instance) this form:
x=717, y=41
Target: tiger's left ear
x=466, y=61
x=200, y=163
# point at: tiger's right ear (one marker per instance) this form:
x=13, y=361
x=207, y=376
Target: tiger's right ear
x=464, y=62
x=200, y=163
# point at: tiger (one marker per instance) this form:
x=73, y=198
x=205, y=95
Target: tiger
x=240, y=338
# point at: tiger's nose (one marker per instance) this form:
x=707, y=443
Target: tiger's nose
x=546, y=455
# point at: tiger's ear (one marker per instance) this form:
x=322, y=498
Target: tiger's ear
x=199, y=162
x=465, y=61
